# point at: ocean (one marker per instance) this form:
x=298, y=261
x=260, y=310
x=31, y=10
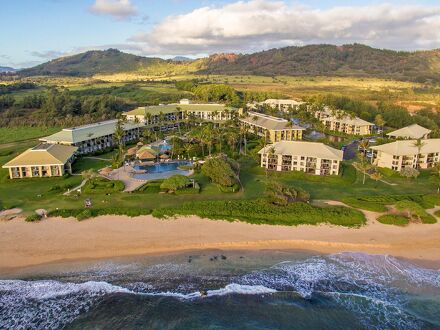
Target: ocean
x=225, y=290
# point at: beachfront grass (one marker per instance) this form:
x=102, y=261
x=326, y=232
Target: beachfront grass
x=263, y=212
x=393, y=219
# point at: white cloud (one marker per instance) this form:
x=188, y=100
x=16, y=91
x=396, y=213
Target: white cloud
x=120, y=9
x=47, y=55
x=247, y=26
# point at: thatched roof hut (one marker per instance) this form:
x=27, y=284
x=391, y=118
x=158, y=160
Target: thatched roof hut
x=132, y=151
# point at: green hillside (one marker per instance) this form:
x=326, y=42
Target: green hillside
x=321, y=60
x=92, y=62
x=315, y=60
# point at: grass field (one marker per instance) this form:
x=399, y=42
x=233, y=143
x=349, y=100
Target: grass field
x=14, y=134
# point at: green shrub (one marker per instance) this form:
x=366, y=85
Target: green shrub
x=33, y=218
x=232, y=189
x=175, y=182
x=280, y=194
x=84, y=214
x=415, y=211
x=221, y=170
x=393, y=219
x=263, y=212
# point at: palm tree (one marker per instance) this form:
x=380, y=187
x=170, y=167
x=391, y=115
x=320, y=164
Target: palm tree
x=380, y=122
x=147, y=134
x=376, y=176
x=188, y=149
x=118, y=137
x=270, y=152
x=362, y=166
x=232, y=138
x=363, y=146
x=208, y=137
x=419, y=145
x=436, y=174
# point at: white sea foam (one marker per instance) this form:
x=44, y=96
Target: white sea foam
x=52, y=304
x=373, y=287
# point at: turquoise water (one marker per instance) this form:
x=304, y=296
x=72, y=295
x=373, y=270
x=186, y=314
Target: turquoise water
x=161, y=170
x=226, y=290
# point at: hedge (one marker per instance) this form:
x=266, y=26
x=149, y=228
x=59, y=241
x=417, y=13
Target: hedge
x=151, y=187
x=102, y=186
x=263, y=212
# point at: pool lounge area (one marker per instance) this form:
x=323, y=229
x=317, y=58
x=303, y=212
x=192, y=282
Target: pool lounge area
x=161, y=170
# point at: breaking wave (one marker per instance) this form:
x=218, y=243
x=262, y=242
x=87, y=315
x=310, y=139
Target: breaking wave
x=382, y=291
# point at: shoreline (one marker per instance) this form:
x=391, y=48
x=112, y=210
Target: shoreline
x=24, y=245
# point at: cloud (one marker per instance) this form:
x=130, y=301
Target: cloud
x=120, y=9
x=47, y=55
x=247, y=26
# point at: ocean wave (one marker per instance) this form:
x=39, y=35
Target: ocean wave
x=53, y=304
x=376, y=288
x=380, y=290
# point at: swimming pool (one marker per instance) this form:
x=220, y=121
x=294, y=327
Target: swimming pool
x=161, y=170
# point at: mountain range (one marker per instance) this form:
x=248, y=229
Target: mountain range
x=314, y=60
x=6, y=69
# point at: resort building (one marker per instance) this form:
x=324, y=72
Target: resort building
x=413, y=131
x=275, y=129
x=348, y=125
x=280, y=104
x=43, y=160
x=309, y=157
x=340, y=121
x=166, y=117
x=94, y=137
x=404, y=153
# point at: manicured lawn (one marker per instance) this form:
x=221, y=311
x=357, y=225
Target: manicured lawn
x=85, y=163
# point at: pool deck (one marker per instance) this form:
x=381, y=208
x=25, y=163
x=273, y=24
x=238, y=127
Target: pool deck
x=125, y=174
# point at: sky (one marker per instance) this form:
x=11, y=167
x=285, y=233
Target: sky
x=35, y=31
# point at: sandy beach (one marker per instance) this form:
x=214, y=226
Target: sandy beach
x=57, y=240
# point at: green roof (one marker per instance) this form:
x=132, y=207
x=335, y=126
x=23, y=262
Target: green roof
x=86, y=132
x=170, y=108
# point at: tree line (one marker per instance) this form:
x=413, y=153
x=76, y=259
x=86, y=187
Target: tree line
x=59, y=107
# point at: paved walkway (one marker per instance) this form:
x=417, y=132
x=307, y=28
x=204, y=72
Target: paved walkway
x=76, y=188
x=124, y=174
